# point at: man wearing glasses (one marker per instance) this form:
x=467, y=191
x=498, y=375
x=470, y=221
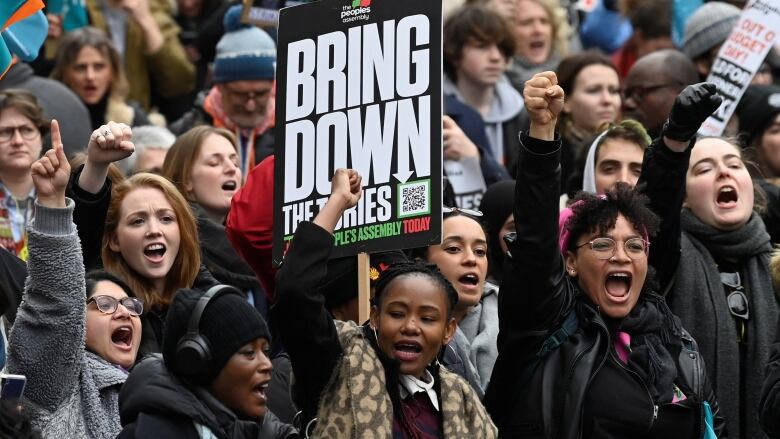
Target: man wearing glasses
x=241, y=99
x=652, y=85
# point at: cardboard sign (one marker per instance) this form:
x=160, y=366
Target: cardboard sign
x=740, y=57
x=359, y=86
x=467, y=181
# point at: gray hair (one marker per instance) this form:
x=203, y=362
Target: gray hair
x=146, y=136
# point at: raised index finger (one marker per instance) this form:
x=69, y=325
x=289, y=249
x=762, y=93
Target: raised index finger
x=56, y=139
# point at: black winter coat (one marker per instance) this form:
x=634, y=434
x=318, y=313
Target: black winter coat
x=156, y=404
x=536, y=298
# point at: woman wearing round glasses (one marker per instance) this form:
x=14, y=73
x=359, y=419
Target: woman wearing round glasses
x=74, y=350
x=22, y=127
x=584, y=337
x=713, y=255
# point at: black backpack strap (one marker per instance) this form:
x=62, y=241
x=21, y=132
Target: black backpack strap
x=554, y=341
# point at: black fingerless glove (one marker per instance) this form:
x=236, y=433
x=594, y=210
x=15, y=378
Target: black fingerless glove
x=691, y=108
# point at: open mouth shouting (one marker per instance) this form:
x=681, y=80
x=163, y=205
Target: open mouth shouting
x=230, y=186
x=155, y=253
x=469, y=281
x=618, y=286
x=122, y=338
x=727, y=197
x=407, y=350
x=259, y=390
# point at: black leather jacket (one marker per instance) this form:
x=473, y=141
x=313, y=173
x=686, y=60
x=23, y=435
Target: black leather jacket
x=536, y=298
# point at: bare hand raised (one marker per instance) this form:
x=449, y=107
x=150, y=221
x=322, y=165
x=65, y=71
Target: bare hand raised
x=346, y=187
x=110, y=143
x=51, y=172
x=456, y=144
x=544, y=102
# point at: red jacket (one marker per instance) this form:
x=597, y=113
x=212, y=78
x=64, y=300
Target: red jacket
x=249, y=224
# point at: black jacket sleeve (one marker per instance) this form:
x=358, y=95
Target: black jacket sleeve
x=534, y=282
x=89, y=217
x=307, y=329
x=770, y=397
x=663, y=181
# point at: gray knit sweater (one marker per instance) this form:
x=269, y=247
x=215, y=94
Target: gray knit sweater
x=76, y=392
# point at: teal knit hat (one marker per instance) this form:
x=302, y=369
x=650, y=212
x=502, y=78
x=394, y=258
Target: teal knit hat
x=245, y=52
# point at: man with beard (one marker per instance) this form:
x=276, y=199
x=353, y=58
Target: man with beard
x=242, y=99
x=652, y=85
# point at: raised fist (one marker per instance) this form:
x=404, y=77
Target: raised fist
x=110, y=143
x=543, y=98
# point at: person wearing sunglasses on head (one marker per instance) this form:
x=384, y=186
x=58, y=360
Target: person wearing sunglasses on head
x=587, y=347
x=712, y=254
x=462, y=258
x=75, y=336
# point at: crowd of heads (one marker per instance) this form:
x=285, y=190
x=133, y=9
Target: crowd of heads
x=185, y=171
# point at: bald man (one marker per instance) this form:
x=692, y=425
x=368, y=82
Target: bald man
x=653, y=83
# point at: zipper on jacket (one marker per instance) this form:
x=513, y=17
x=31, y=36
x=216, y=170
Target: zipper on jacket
x=642, y=383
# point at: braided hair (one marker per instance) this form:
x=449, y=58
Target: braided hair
x=391, y=366
x=415, y=268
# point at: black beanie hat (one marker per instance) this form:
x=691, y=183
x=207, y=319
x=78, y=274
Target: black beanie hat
x=496, y=206
x=757, y=110
x=228, y=323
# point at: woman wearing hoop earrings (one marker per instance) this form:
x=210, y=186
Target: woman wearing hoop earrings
x=339, y=366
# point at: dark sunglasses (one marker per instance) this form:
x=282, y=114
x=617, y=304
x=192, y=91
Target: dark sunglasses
x=738, y=303
x=109, y=304
x=453, y=210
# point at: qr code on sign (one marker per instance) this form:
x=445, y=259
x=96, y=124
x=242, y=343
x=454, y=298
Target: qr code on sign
x=414, y=198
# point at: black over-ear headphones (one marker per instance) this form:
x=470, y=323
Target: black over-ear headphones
x=193, y=353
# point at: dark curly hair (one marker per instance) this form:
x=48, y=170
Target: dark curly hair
x=594, y=213
x=415, y=268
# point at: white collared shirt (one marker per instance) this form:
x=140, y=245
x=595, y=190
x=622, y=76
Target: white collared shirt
x=411, y=385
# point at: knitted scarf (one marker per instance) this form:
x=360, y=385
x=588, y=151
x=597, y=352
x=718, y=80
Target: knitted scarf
x=355, y=403
x=699, y=299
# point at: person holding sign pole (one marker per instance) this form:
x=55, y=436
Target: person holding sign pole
x=340, y=366
x=587, y=348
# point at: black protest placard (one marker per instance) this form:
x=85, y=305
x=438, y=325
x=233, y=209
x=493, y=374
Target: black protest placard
x=359, y=86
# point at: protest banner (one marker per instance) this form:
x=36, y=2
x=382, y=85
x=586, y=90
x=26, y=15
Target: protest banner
x=467, y=181
x=265, y=13
x=739, y=59
x=359, y=86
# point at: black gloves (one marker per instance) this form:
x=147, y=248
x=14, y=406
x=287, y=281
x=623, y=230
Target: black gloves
x=691, y=108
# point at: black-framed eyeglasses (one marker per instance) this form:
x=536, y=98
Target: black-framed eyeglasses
x=604, y=248
x=446, y=210
x=109, y=304
x=28, y=132
x=640, y=91
x=736, y=298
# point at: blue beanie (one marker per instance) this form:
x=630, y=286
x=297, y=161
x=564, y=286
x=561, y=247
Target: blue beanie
x=245, y=52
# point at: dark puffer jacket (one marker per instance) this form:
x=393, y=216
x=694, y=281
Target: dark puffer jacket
x=156, y=404
x=536, y=298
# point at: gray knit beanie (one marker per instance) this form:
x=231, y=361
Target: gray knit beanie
x=708, y=27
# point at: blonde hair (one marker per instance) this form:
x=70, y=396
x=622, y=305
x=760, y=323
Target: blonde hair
x=180, y=159
x=187, y=263
x=561, y=31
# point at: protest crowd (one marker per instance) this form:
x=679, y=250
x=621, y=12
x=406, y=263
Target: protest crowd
x=605, y=181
